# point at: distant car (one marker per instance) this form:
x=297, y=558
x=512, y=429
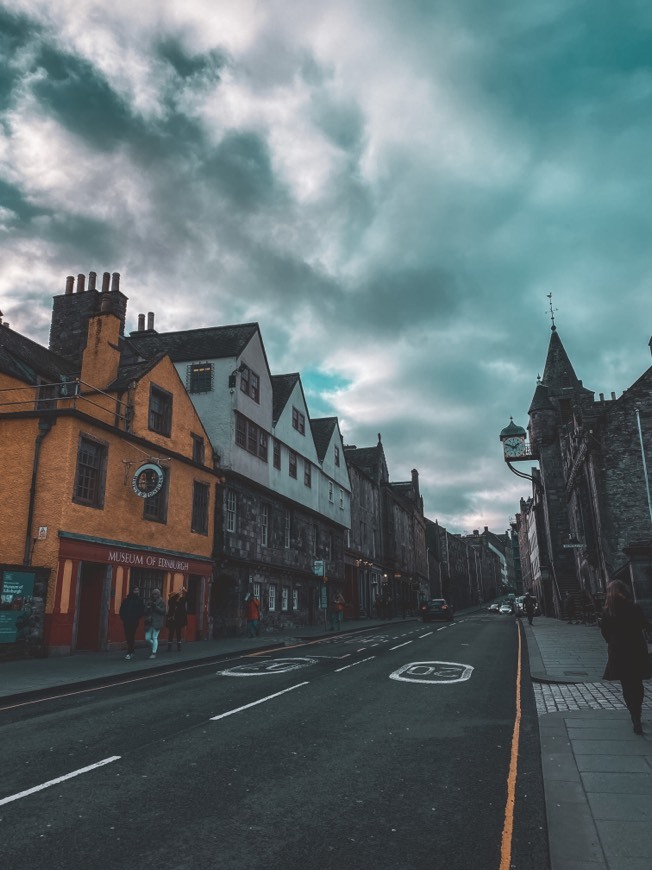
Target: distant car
x=437, y=608
x=505, y=608
x=493, y=608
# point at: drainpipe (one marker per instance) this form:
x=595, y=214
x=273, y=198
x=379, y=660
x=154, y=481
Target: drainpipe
x=44, y=425
x=647, y=480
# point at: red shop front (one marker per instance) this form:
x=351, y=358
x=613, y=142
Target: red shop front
x=94, y=576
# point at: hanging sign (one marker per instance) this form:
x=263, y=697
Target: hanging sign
x=148, y=480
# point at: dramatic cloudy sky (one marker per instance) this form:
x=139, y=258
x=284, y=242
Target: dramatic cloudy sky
x=390, y=187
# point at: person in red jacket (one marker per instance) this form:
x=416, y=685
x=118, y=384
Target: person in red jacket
x=253, y=615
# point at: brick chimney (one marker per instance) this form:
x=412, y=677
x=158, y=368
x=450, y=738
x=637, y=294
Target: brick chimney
x=72, y=312
x=101, y=356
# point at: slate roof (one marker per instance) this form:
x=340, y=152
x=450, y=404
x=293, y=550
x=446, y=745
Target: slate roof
x=213, y=342
x=322, y=432
x=26, y=360
x=368, y=459
x=282, y=386
x=558, y=372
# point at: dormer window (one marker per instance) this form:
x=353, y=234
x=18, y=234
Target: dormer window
x=298, y=421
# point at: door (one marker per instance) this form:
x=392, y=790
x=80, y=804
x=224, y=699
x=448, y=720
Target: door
x=90, y=611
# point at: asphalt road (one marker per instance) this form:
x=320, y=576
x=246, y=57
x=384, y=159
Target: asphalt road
x=349, y=752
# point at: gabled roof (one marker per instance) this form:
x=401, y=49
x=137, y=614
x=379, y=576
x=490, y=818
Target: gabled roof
x=26, y=360
x=213, y=342
x=133, y=370
x=371, y=460
x=282, y=386
x=322, y=433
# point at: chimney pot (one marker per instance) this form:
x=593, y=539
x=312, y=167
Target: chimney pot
x=602, y=397
x=150, y=320
x=115, y=283
x=613, y=396
x=92, y=280
x=106, y=278
x=70, y=282
x=81, y=283
x=141, y=323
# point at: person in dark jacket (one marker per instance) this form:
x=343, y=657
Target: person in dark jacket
x=177, y=616
x=623, y=626
x=529, y=605
x=132, y=610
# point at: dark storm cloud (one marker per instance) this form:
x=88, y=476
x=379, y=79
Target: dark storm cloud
x=188, y=65
x=11, y=197
x=241, y=169
x=16, y=32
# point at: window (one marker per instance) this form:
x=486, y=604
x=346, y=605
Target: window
x=91, y=472
x=277, y=454
x=298, y=421
x=264, y=525
x=337, y=455
x=200, y=508
x=250, y=383
x=285, y=598
x=292, y=463
x=342, y=499
x=146, y=579
x=295, y=598
x=198, y=451
x=287, y=529
x=271, y=596
x=257, y=591
x=199, y=377
x=331, y=496
x=307, y=473
x=160, y=411
x=156, y=507
x=231, y=510
x=251, y=437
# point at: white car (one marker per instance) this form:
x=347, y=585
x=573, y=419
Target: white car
x=505, y=608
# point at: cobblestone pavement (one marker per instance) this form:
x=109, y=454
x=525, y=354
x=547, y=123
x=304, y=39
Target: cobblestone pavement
x=555, y=697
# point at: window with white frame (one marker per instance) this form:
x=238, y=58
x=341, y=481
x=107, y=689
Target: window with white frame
x=342, y=499
x=264, y=525
x=295, y=598
x=285, y=598
x=231, y=510
x=271, y=597
x=287, y=529
x=257, y=590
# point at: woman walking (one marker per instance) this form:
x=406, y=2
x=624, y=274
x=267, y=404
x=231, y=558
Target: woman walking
x=623, y=627
x=177, y=617
x=154, y=619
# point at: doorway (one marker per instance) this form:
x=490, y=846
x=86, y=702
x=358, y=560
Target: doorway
x=91, y=608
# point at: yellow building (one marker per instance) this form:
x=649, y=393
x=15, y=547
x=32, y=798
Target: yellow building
x=108, y=480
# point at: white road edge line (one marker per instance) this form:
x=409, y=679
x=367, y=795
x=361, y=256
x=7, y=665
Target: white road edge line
x=427, y=634
x=400, y=645
x=354, y=664
x=22, y=794
x=260, y=701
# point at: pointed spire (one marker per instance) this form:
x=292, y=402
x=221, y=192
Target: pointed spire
x=558, y=372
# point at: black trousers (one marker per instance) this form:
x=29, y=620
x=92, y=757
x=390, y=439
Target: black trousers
x=633, y=694
x=174, y=630
x=130, y=635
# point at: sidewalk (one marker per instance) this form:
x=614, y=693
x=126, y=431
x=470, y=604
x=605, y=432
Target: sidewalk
x=597, y=773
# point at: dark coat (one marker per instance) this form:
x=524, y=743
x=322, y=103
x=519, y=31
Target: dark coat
x=177, y=615
x=132, y=609
x=627, y=647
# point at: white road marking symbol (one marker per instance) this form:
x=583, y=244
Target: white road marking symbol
x=433, y=672
x=265, y=668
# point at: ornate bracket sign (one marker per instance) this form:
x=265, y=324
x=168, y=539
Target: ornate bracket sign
x=148, y=480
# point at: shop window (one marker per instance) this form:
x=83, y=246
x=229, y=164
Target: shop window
x=146, y=579
x=90, y=477
x=160, y=411
x=200, y=494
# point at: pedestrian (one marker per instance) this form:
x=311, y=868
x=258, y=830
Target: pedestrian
x=569, y=606
x=337, y=611
x=623, y=626
x=131, y=612
x=529, y=604
x=253, y=615
x=177, y=616
x=154, y=620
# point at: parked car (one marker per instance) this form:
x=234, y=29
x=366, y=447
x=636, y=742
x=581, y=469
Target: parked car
x=437, y=608
x=493, y=608
x=505, y=608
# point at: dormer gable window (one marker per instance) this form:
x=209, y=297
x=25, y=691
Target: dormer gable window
x=298, y=421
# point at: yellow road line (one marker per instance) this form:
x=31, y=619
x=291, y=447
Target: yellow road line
x=508, y=827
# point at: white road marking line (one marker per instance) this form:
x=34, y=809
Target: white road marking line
x=400, y=645
x=442, y=628
x=354, y=664
x=22, y=794
x=426, y=635
x=260, y=701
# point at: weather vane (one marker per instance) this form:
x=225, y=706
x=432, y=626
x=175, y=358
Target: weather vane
x=552, y=310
